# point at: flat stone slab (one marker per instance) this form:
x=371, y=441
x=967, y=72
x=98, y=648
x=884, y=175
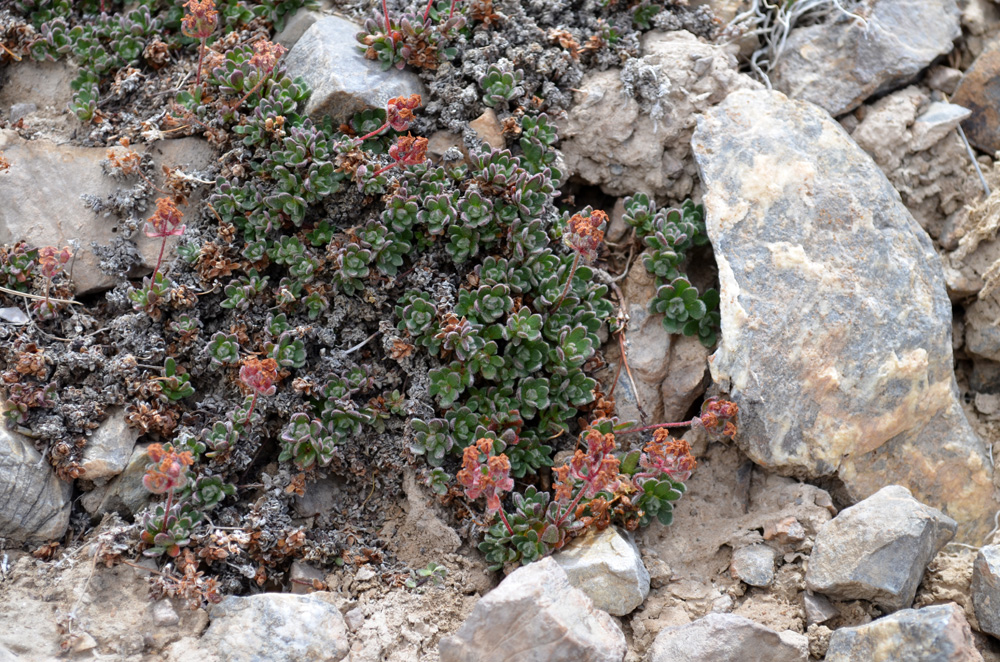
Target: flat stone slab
x=727, y=638
x=839, y=64
x=878, y=549
x=836, y=326
x=606, y=565
x=939, y=633
x=36, y=503
x=986, y=589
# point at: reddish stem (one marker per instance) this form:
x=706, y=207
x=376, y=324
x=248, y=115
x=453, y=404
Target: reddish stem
x=574, y=504
x=452, y=12
x=385, y=10
x=381, y=170
x=253, y=402
x=569, y=281
x=163, y=244
x=682, y=424
x=374, y=133
x=503, y=518
x=428, y=10
x=166, y=511
x=201, y=55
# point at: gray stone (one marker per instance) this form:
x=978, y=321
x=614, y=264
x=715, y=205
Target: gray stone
x=41, y=193
x=302, y=576
x=878, y=549
x=606, y=565
x=535, y=615
x=986, y=589
x=164, y=614
x=296, y=26
x=20, y=110
x=36, y=503
x=277, y=627
x=818, y=608
x=753, y=564
x=839, y=64
x=979, y=90
x=727, y=638
x=610, y=139
x=354, y=618
x=342, y=80
x=836, y=326
x=943, y=79
x=938, y=120
x=109, y=448
x=125, y=493
x=939, y=633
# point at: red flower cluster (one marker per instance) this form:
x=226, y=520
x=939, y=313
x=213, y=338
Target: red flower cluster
x=165, y=221
x=260, y=376
x=168, y=472
x=409, y=150
x=668, y=455
x=585, y=235
x=489, y=478
x=201, y=20
x=266, y=55
x=52, y=260
x=399, y=111
x=597, y=468
x=718, y=417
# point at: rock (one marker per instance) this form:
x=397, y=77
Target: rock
x=342, y=80
x=979, y=91
x=727, y=638
x=125, y=493
x=753, y=564
x=42, y=204
x=687, y=376
x=36, y=503
x=20, y=110
x=607, y=567
x=488, y=128
x=840, y=63
x=986, y=589
x=302, y=576
x=625, y=144
x=818, y=608
x=987, y=403
x=935, y=122
x=535, y=615
x=354, y=618
x=878, y=549
x=277, y=627
x=109, y=448
x=296, y=26
x=938, y=633
x=855, y=379
x=164, y=613
x=943, y=79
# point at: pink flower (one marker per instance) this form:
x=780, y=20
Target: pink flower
x=259, y=376
x=487, y=479
x=165, y=221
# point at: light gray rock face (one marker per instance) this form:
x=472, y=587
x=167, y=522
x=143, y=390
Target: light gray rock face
x=986, y=589
x=938, y=633
x=606, y=565
x=818, y=608
x=625, y=144
x=836, y=326
x=124, y=493
x=277, y=627
x=727, y=638
x=109, y=448
x=753, y=564
x=35, y=502
x=42, y=206
x=878, y=549
x=343, y=82
x=840, y=64
x=535, y=615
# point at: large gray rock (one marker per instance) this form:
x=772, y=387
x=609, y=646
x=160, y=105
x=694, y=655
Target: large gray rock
x=535, y=615
x=839, y=64
x=109, y=448
x=836, y=327
x=878, y=549
x=125, y=493
x=606, y=565
x=342, y=80
x=277, y=627
x=727, y=638
x=625, y=144
x=42, y=205
x=35, y=502
x=986, y=589
x=938, y=633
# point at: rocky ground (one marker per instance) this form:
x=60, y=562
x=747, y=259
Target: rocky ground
x=851, y=207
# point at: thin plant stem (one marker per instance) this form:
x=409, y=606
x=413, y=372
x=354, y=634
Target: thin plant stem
x=253, y=401
x=452, y=11
x=682, y=424
x=201, y=55
x=159, y=260
x=569, y=281
x=252, y=90
x=373, y=133
x=574, y=504
x=503, y=518
x=385, y=10
x=381, y=170
x=428, y=10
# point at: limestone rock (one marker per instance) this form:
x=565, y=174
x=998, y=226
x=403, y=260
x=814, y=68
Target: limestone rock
x=109, y=448
x=36, y=503
x=607, y=567
x=878, y=549
x=818, y=608
x=535, y=615
x=753, y=565
x=277, y=627
x=342, y=80
x=611, y=139
x=979, y=91
x=727, y=638
x=296, y=26
x=41, y=193
x=488, y=128
x=986, y=589
x=125, y=493
x=839, y=64
x=939, y=633
x=855, y=379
